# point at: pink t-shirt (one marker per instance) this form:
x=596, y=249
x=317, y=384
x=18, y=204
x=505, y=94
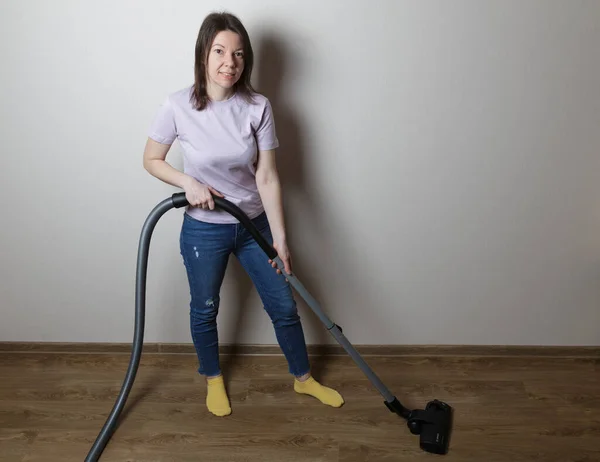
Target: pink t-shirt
x=220, y=146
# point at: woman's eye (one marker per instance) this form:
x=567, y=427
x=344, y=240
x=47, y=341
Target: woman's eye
x=238, y=54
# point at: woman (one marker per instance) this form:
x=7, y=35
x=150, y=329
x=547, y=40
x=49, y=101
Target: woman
x=227, y=134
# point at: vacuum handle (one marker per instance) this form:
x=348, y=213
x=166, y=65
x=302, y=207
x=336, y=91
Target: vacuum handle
x=179, y=200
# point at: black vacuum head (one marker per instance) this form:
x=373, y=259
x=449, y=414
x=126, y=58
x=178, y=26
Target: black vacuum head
x=434, y=425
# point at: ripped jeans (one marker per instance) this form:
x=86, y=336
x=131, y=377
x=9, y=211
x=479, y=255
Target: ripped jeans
x=205, y=249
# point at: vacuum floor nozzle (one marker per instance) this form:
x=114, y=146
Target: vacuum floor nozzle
x=434, y=425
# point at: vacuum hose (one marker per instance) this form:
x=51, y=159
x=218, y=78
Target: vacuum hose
x=432, y=424
x=177, y=200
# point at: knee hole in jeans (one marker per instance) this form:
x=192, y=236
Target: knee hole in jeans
x=205, y=308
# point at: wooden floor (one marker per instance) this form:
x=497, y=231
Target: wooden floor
x=52, y=406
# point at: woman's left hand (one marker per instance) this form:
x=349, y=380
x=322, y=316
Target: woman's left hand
x=283, y=253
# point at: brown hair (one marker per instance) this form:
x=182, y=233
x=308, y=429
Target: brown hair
x=211, y=26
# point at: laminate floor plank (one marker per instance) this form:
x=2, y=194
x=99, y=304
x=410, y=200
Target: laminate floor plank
x=52, y=406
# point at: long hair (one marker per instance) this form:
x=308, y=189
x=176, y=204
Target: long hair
x=211, y=26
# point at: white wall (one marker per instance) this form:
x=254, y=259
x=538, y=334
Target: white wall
x=441, y=162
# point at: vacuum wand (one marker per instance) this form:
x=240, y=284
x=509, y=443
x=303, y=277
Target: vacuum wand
x=433, y=424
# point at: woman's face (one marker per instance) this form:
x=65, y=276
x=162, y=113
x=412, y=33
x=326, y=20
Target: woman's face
x=225, y=60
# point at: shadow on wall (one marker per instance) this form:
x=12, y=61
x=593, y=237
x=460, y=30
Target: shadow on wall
x=272, y=62
x=272, y=67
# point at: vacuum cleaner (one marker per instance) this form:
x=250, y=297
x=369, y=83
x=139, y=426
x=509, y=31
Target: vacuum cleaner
x=433, y=424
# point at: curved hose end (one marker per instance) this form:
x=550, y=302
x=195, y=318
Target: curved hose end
x=179, y=200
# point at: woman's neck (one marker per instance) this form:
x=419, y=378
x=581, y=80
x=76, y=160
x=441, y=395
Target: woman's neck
x=217, y=93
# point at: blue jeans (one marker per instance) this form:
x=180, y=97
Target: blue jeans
x=205, y=248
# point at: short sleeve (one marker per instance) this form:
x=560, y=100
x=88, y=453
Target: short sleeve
x=163, y=128
x=266, y=136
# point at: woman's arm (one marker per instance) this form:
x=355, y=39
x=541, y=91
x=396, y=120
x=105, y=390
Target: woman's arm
x=196, y=193
x=269, y=188
x=155, y=154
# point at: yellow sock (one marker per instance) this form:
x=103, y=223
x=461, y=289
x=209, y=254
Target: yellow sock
x=216, y=398
x=324, y=394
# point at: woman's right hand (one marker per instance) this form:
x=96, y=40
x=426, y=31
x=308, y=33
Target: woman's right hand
x=200, y=195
